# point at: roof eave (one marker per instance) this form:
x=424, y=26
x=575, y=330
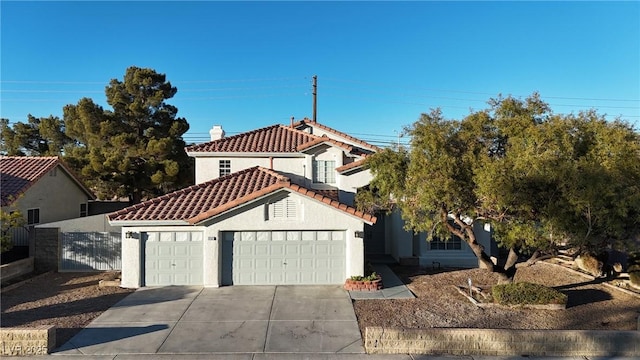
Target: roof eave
x=221, y=210
x=243, y=154
x=148, y=222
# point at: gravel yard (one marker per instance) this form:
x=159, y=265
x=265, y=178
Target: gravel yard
x=591, y=306
x=69, y=301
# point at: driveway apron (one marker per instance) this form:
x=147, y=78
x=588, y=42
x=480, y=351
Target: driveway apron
x=234, y=319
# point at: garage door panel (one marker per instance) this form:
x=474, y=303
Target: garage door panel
x=261, y=249
x=292, y=249
x=283, y=257
x=173, y=258
x=277, y=249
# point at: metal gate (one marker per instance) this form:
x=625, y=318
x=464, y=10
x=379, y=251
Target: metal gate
x=90, y=251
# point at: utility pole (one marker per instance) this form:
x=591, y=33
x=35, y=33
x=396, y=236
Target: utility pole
x=315, y=98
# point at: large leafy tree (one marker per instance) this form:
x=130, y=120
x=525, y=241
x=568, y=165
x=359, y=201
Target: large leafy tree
x=538, y=178
x=136, y=149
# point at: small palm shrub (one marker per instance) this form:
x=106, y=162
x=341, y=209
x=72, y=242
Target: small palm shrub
x=524, y=293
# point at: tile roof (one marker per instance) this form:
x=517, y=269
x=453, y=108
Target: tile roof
x=325, y=139
x=276, y=138
x=19, y=173
x=200, y=202
x=350, y=166
x=309, y=122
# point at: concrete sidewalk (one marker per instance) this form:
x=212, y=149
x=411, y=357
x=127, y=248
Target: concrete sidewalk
x=304, y=356
x=393, y=288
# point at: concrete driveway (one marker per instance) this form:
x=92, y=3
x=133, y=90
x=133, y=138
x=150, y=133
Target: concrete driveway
x=234, y=319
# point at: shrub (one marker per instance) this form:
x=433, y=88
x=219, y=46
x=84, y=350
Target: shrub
x=525, y=293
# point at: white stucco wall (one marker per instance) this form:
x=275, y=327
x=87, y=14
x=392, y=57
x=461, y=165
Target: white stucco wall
x=97, y=223
x=350, y=183
x=246, y=218
x=208, y=167
x=58, y=197
x=400, y=241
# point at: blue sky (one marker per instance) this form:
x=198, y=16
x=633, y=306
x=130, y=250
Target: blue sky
x=245, y=65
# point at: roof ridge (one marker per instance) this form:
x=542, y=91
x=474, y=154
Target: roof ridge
x=277, y=175
x=306, y=121
x=262, y=139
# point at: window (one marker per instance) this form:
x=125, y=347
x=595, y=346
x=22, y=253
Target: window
x=53, y=172
x=83, y=210
x=33, y=216
x=324, y=171
x=225, y=167
x=453, y=243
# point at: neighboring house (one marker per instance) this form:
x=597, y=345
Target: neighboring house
x=270, y=206
x=43, y=189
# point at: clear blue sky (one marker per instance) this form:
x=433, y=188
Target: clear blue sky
x=245, y=65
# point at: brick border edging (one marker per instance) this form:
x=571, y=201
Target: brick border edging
x=363, y=285
x=506, y=342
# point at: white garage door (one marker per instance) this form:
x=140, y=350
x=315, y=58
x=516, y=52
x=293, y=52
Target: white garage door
x=173, y=258
x=283, y=257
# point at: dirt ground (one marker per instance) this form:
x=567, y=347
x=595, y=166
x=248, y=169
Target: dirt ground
x=591, y=305
x=69, y=301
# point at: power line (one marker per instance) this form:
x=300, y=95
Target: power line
x=368, y=83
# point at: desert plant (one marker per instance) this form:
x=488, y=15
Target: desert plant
x=524, y=293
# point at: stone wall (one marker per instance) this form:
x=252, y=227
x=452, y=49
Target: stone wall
x=27, y=341
x=500, y=342
x=46, y=249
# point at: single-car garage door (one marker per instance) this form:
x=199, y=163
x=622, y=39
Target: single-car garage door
x=283, y=257
x=173, y=258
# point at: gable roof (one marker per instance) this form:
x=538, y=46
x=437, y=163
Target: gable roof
x=281, y=139
x=19, y=173
x=203, y=201
x=276, y=138
x=308, y=122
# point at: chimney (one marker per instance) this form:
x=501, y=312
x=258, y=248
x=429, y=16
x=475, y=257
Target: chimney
x=216, y=132
x=292, y=122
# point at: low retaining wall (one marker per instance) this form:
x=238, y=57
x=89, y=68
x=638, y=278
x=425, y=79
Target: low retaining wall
x=497, y=342
x=39, y=340
x=16, y=268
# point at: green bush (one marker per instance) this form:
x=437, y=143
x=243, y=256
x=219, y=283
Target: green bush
x=524, y=293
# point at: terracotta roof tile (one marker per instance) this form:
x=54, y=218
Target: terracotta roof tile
x=351, y=165
x=19, y=173
x=200, y=202
x=276, y=138
x=309, y=122
x=325, y=139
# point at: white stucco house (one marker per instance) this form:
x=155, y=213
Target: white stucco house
x=270, y=206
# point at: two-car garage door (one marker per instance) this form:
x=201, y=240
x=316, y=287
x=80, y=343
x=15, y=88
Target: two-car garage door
x=248, y=258
x=283, y=257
